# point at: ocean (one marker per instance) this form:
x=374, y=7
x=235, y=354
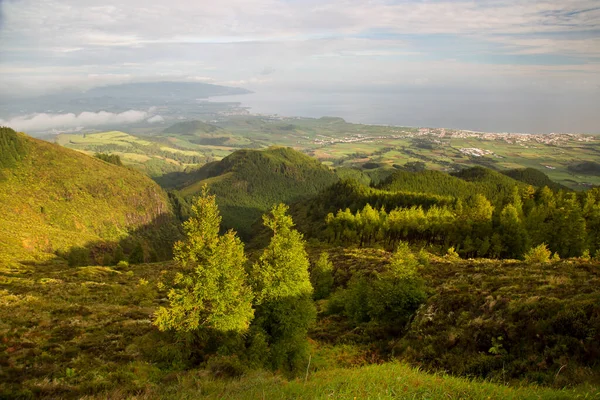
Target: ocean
x=507, y=112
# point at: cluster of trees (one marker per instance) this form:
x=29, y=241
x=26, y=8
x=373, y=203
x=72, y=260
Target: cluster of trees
x=569, y=223
x=260, y=313
x=109, y=158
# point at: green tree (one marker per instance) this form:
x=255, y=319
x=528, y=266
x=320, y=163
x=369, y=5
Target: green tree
x=212, y=292
x=285, y=309
x=321, y=277
x=514, y=236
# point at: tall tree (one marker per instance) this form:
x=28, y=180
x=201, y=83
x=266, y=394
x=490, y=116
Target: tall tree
x=281, y=280
x=212, y=292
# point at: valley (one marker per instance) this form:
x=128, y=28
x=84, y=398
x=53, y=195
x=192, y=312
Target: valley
x=337, y=143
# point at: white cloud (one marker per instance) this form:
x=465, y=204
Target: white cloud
x=44, y=122
x=156, y=119
x=50, y=44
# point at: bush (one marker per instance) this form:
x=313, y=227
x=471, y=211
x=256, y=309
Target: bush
x=78, y=256
x=537, y=255
x=388, y=299
x=121, y=265
x=137, y=254
x=226, y=366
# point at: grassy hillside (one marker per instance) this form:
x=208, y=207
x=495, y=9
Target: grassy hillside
x=154, y=157
x=191, y=128
x=86, y=331
x=508, y=321
x=53, y=199
x=249, y=182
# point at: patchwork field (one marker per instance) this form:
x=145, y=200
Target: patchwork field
x=338, y=143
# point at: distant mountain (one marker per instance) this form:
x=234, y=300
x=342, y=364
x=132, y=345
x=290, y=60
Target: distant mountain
x=248, y=182
x=174, y=98
x=534, y=177
x=164, y=90
x=53, y=199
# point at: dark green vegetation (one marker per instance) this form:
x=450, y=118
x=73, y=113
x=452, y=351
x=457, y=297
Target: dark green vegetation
x=586, y=168
x=12, y=148
x=534, y=177
x=479, y=212
x=249, y=182
x=371, y=274
x=109, y=158
x=58, y=201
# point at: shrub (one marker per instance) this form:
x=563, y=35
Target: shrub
x=122, y=265
x=78, y=256
x=537, y=255
x=586, y=255
x=451, y=254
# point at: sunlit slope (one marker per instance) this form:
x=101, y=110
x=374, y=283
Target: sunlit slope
x=249, y=182
x=53, y=198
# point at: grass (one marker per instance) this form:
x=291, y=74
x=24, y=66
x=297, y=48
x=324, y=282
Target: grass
x=387, y=381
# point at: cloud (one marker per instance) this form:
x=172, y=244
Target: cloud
x=48, y=45
x=44, y=122
x=155, y=119
x=267, y=71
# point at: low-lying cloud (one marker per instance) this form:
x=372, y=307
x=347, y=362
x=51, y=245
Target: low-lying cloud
x=44, y=122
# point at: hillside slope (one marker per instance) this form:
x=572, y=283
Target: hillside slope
x=248, y=182
x=53, y=198
x=493, y=185
x=534, y=177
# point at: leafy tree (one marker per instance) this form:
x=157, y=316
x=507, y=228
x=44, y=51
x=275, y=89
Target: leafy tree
x=514, y=236
x=321, y=276
x=282, y=285
x=397, y=294
x=212, y=292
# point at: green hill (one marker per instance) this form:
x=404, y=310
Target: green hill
x=191, y=128
x=585, y=168
x=534, y=177
x=249, y=182
x=53, y=199
x=493, y=185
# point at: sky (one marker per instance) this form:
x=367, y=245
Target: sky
x=548, y=46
